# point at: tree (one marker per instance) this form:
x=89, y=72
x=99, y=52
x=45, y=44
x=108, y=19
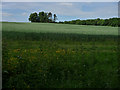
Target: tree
x=33, y=17
x=101, y=22
x=50, y=16
x=78, y=22
x=46, y=17
x=41, y=15
x=106, y=22
x=55, y=17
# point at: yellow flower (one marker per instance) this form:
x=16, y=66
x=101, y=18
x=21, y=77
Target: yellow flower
x=12, y=58
x=40, y=70
x=73, y=51
x=57, y=51
x=25, y=50
x=28, y=86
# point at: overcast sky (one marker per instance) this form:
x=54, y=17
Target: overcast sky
x=20, y=11
x=60, y=0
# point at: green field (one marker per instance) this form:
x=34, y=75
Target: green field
x=60, y=28
x=46, y=55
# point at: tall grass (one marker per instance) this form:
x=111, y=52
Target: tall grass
x=59, y=28
x=59, y=60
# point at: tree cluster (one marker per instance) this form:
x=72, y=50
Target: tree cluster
x=43, y=17
x=99, y=22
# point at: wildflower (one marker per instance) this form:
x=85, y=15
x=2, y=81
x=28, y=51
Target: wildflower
x=57, y=51
x=12, y=58
x=40, y=70
x=28, y=86
x=15, y=50
x=25, y=50
x=73, y=51
x=63, y=51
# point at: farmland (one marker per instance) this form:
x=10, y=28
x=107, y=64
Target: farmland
x=46, y=55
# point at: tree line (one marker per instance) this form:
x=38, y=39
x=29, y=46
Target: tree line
x=46, y=17
x=43, y=17
x=99, y=22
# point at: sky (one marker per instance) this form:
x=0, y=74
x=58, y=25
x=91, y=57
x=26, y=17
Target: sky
x=60, y=0
x=65, y=11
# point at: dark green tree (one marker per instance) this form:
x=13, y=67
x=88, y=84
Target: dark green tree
x=34, y=17
x=101, y=22
x=41, y=15
x=46, y=17
x=50, y=16
x=55, y=17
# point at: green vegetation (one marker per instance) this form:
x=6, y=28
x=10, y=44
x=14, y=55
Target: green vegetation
x=41, y=55
x=98, y=22
x=42, y=17
x=60, y=28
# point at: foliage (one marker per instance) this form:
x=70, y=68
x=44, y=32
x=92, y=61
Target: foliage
x=34, y=59
x=42, y=17
x=34, y=17
x=99, y=22
x=47, y=18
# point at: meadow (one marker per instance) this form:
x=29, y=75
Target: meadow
x=47, y=55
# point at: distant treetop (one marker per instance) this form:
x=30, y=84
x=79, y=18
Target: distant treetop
x=43, y=17
x=48, y=17
x=115, y=22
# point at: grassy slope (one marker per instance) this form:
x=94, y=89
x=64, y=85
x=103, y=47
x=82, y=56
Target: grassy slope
x=59, y=60
x=60, y=28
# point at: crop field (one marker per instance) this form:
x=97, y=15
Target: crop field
x=40, y=55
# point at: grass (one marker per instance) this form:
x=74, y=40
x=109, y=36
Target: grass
x=60, y=28
x=40, y=55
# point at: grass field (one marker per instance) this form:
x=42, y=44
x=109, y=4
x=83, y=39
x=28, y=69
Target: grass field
x=41, y=55
x=60, y=28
